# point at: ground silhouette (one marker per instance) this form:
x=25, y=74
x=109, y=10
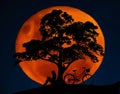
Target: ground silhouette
x=75, y=89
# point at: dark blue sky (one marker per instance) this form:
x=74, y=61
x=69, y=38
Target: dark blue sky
x=13, y=13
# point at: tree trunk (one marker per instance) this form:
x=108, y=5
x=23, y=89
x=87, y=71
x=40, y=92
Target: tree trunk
x=61, y=69
x=60, y=80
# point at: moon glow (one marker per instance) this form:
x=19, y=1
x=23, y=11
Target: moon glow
x=39, y=70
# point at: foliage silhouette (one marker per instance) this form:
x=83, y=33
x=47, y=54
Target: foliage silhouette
x=63, y=41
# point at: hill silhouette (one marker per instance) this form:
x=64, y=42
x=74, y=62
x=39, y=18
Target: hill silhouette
x=75, y=89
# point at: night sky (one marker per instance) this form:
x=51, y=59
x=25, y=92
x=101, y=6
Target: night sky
x=13, y=13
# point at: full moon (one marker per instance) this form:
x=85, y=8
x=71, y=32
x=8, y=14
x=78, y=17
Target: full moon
x=39, y=70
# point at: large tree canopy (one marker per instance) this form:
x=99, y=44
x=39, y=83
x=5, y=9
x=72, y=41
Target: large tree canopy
x=59, y=30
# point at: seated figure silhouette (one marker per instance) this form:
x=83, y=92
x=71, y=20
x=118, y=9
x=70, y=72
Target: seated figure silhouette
x=51, y=80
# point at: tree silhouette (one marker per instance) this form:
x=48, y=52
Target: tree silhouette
x=63, y=41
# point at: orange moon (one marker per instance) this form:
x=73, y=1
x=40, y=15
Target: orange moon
x=39, y=70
